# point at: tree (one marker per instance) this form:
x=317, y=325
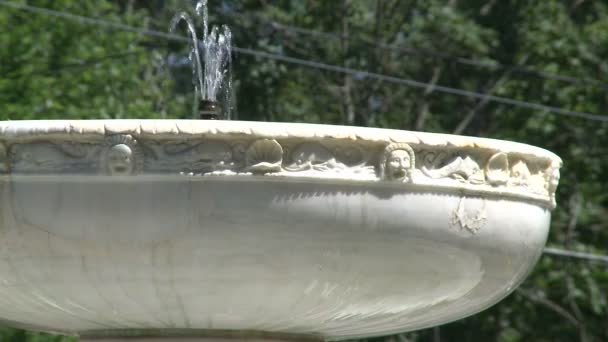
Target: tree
x=53, y=68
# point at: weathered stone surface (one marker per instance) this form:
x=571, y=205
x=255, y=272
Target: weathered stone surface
x=281, y=228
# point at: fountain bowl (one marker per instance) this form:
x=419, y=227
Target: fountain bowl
x=114, y=228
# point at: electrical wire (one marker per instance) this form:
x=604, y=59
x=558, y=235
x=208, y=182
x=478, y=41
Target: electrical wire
x=416, y=51
x=574, y=254
x=88, y=20
x=358, y=74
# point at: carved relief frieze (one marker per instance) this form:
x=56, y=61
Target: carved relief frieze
x=470, y=168
x=463, y=169
x=53, y=157
x=328, y=160
x=189, y=157
x=487, y=169
x=311, y=156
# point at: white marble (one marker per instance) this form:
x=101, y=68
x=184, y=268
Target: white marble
x=328, y=231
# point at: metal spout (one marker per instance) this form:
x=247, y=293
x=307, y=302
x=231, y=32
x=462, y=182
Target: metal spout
x=209, y=110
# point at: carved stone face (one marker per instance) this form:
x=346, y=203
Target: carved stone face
x=398, y=165
x=120, y=160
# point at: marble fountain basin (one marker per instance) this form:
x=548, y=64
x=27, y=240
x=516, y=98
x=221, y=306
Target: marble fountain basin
x=125, y=227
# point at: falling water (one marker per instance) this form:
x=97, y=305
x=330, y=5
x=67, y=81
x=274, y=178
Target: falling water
x=194, y=56
x=201, y=10
x=212, y=72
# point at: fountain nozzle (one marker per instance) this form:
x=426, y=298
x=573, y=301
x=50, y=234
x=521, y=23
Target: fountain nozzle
x=209, y=110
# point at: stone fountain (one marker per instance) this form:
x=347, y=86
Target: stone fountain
x=172, y=227
x=170, y=230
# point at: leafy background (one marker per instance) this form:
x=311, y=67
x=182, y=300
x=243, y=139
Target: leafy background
x=52, y=68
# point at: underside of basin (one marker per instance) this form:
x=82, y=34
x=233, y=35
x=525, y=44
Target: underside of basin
x=154, y=228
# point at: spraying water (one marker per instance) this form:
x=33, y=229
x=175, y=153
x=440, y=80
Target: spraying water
x=194, y=53
x=211, y=73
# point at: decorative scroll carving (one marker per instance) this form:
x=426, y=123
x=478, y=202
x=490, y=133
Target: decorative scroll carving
x=501, y=170
x=122, y=156
x=190, y=157
x=397, y=163
x=49, y=157
x=432, y=159
x=311, y=156
x=497, y=169
x=462, y=169
x=264, y=156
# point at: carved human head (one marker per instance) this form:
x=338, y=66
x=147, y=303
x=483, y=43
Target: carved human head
x=122, y=156
x=120, y=160
x=397, y=162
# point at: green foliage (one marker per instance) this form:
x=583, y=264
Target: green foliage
x=44, y=74
x=9, y=335
x=53, y=68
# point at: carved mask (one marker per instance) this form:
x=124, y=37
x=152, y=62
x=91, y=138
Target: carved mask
x=398, y=165
x=120, y=160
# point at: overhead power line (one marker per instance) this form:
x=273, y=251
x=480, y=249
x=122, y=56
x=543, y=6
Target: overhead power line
x=574, y=254
x=425, y=52
x=358, y=74
x=417, y=84
x=88, y=20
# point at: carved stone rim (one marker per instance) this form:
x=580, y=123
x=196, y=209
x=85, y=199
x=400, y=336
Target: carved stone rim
x=201, y=148
x=25, y=130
